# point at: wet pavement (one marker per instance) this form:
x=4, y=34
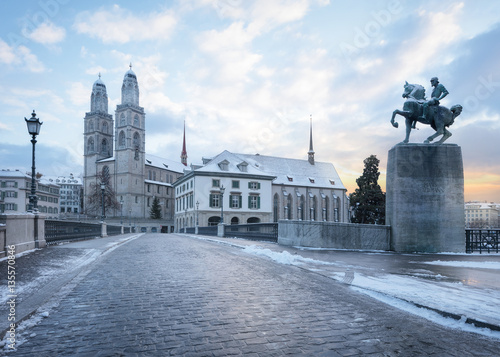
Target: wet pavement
x=160, y=295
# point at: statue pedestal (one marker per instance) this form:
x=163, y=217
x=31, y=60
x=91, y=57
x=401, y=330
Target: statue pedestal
x=425, y=198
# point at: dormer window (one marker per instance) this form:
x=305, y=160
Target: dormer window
x=332, y=182
x=290, y=178
x=224, y=165
x=243, y=167
x=311, y=179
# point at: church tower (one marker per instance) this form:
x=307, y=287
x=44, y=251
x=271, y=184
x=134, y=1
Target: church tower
x=97, y=132
x=310, y=153
x=130, y=136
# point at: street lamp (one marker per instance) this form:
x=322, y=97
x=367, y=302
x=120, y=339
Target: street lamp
x=33, y=125
x=222, y=189
x=103, y=215
x=197, y=207
x=121, y=212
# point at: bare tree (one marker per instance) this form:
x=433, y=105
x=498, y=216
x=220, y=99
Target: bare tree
x=93, y=201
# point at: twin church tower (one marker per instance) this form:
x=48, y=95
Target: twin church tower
x=115, y=154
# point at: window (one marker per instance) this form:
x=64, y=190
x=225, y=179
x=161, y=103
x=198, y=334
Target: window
x=235, y=201
x=215, y=200
x=105, y=128
x=136, y=120
x=90, y=145
x=254, y=202
x=243, y=167
x=215, y=183
x=311, y=179
x=91, y=125
x=121, y=139
x=10, y=207
x=236, y=184
x=104, y=147
x=122, y=120
x=290, y=178
x=224, y=165
x=254, y=185
x=136, y=140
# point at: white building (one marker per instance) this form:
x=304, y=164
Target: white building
x=15, y=189
x=258, y=189
x=71, y=190
x=114, y=153
x=482, y=215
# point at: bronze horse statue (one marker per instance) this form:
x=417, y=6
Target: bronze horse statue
x=438, y=117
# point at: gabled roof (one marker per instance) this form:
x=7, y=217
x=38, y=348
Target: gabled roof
x=294, y=172
x=229, y=163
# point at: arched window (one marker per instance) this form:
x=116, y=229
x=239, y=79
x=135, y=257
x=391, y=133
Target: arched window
x=253, y=220
x=105, y=175
x=91, y=125
x=214, y=220
x=104, y=147
x=276, y=207
x=136, y=120
x=122, y=120
x=314, y=208
x=137, y=140
x=235, y=220
x=326, y=206
x=90, y=145
x=300, y=208
x=105, y=127
x=288, y=207
x=121, y=139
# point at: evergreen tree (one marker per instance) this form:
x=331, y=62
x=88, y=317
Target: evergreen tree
x=155, y=212
x=368, y=201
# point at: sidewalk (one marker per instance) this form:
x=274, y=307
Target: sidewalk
x=42, y=273
x=463, y=287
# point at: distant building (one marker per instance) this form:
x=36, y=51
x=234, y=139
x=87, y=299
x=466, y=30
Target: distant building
x=71, y=190
x=258, y=189
x=15, y=188
x=114, y=152
x=482, y=215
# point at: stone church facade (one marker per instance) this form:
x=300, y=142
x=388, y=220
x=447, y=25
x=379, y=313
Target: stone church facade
x=115, y=152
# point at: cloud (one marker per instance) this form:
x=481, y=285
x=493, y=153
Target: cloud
x=48, y=34
x=20, y=56
x=122, y=26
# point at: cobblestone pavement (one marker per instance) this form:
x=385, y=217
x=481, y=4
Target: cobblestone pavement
x=168, y=295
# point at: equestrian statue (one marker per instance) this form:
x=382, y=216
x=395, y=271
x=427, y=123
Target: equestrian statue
x=417, y=109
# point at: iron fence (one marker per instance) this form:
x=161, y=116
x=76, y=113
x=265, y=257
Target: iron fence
x=57, y=231
x=257, y=231
x=482, y=240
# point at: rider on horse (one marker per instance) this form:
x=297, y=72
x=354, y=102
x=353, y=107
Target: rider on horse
x=438, y=93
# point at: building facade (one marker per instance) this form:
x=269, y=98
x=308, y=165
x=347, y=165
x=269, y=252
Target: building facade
x=259, y=188
x=482, y=215
x=15, y=189
x=71, y=195
x=115, y=154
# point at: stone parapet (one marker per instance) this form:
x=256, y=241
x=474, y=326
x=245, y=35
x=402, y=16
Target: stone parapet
x=333, y=235
x=21, y=232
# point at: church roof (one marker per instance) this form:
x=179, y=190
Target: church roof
x=163, y=163
x=295, y=172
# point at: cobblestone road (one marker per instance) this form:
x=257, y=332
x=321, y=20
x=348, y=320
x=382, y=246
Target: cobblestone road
x=168, y=295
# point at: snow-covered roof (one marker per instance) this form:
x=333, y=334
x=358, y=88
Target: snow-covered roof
x=162, y=163
x=227, y=162
x=66, y=180
x=158, y=183
x=13, y=174
x=295, y=172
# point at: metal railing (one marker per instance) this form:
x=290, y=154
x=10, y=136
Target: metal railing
x=257, y=231
x=57, y=231
x=482, y=240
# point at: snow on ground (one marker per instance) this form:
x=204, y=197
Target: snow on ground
x=405, y=291
x=459, y=264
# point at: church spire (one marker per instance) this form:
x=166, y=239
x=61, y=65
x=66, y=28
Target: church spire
x=310, y=154
x=184, y=154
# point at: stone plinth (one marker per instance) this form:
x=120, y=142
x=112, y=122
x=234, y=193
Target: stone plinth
x=425, y=198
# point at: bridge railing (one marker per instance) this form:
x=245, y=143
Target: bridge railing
x=57, y=231
x=482, y=240
x=257, y=231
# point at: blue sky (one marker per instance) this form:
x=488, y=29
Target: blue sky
x=247, y=75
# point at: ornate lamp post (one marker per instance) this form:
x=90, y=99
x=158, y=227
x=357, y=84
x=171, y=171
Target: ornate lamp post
x=197, y=207
x=33, y=125
x=222, y=189
x=103, y=215
x=121, y=212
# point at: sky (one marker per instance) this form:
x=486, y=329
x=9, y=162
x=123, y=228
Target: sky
x=247, y=76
